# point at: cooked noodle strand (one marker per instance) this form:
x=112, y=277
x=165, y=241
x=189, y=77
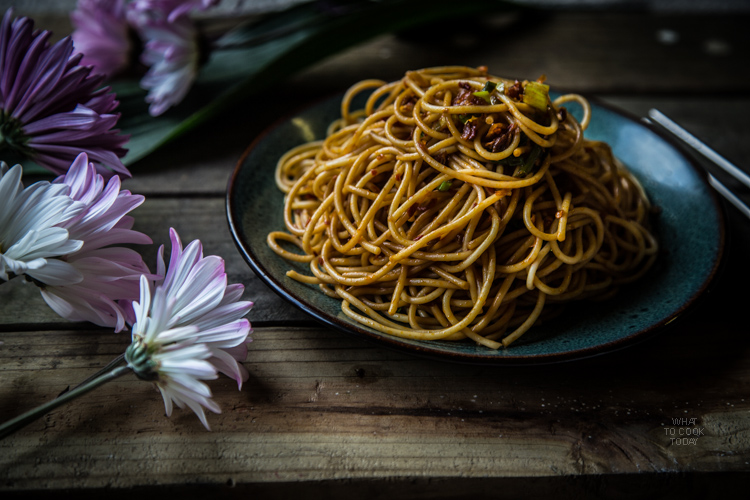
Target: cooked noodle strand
x=460, y=205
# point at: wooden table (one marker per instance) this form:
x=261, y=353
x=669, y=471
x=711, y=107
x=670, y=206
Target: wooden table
x=328, y=415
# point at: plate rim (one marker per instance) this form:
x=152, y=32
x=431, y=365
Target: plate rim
x=396, y=343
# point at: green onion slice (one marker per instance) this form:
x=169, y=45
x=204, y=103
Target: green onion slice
x=488, y=88
x=529, y=161
x=536, y=95
x=445, y=186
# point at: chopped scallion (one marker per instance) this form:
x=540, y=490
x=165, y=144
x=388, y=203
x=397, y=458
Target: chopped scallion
x=488, y=88
x=529, y=161
x=445, y=186
x=483, y=94
x=536, y=95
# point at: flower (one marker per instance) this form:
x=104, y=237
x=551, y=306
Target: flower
x=172, y=54
x=102, y=35
x=172, y=9
x=188, y=328
x=171, y=50
x=31, y=238
x=61, y=236
x=110, y=274
x=50, y=108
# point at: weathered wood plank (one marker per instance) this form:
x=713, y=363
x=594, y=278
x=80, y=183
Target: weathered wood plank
x=584, y=51
x=321, y=405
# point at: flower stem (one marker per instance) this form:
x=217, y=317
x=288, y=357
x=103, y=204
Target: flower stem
x=119, y=359
x=20, y=421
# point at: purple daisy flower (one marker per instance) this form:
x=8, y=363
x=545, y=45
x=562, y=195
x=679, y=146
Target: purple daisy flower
x=110, y=273
x=172, y=53
x=51, y=107
x=102, y=34
x=189, y=326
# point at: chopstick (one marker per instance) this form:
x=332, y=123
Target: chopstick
x=729, y=195
x=710, y=154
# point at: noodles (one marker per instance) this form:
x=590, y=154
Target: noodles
x=461, y=205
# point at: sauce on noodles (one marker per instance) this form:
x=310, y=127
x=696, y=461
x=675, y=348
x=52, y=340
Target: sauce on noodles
x=459, y=205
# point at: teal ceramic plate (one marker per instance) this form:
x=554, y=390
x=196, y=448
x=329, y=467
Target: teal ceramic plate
x=690, y=228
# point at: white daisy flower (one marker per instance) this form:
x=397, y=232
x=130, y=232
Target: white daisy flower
x=31, y=238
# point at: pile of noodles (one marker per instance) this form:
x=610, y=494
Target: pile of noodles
x=450, y=207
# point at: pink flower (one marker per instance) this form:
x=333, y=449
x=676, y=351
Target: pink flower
x=189, y=326
x=110, y=273
x=171, y=48
x=173, y=56
x=102, y=35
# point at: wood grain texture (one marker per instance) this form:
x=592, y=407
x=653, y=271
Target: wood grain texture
x=594, y=52
x=326, y=415
x=321, y=406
